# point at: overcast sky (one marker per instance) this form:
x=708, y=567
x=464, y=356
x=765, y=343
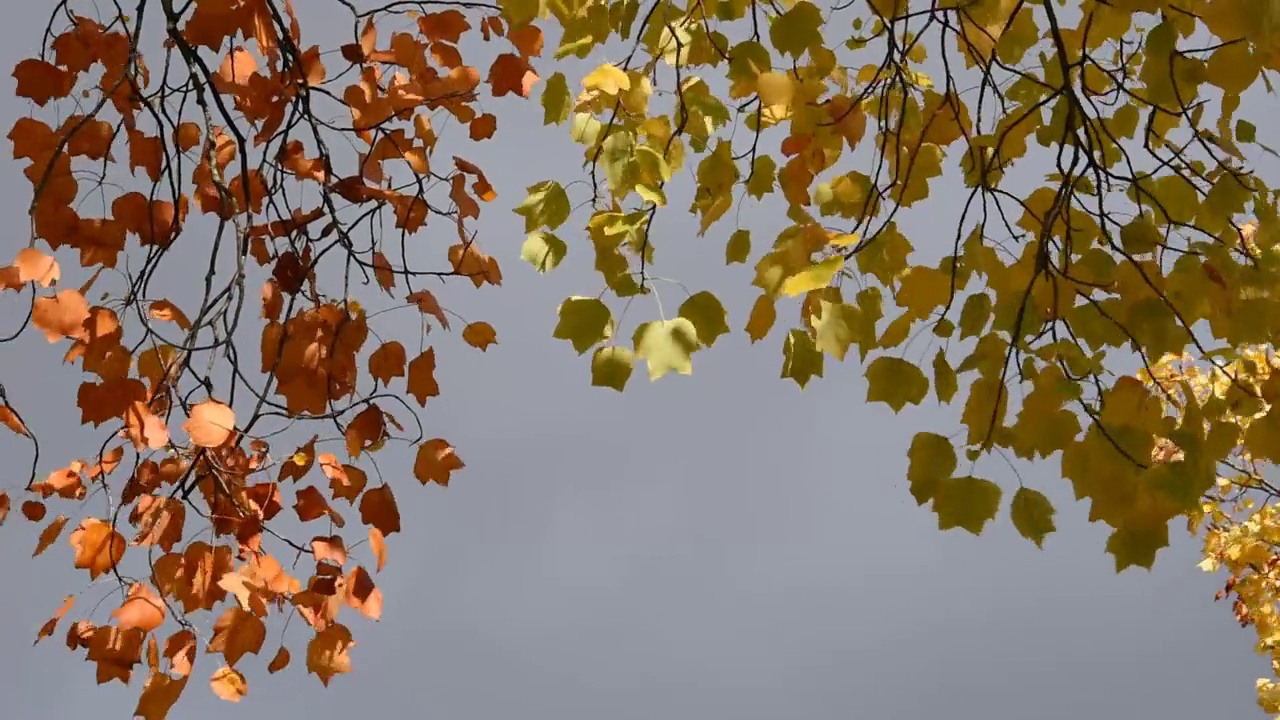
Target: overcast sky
x=721, y=546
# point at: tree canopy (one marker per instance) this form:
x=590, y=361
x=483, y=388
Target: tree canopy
x=239, y=210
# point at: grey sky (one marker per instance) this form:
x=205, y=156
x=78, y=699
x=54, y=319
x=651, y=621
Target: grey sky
x=722, y=546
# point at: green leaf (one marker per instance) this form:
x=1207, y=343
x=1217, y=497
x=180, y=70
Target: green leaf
x=932, y=459
x=543, y=251
x=555, y=99
x=1245, y=131
x=966, y=502
x=584, y=322
x=798, y=29
x=708, y=316
x=547, y=205
x=739, y=247
x=666, y=346
x=801, y=360
x=611, y=367
x=1032, y=515
x=895, y=382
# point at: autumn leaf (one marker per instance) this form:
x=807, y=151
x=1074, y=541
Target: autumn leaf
x=228, y=684
x=210, y=424
x=480, y=335
x=97, y=545
x=436, y=462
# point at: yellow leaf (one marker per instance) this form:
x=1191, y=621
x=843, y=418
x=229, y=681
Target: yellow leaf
x=584, y=322
x=608, y=79
x=763, y=315
x=1032, y=515
x=666, y=346
x=966, y=502
x=932, y=460
x=611, y=367
x=895, y=382
x=815, y=277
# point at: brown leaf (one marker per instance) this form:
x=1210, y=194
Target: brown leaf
x=115, y=651
x=159, y=695
x=180, y=649
x=236, y=633
x=167, y=311
x=303, y=459
x=279, y=662
x=310, y=504
x=378, y=509
x=33, y=510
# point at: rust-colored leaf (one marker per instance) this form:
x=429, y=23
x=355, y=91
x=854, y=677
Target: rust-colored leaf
x=422, y=377
x=378, y=509
x=436, y=462
x=49, y=534
x=480, y=335
x=51, y=624
x=236, y=633
x=387, y=362
x=280, y=661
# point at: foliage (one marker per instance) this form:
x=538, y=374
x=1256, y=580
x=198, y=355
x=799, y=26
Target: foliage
x=1116, y=311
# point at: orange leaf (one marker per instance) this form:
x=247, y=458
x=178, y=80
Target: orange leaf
x=159, y=695
x=49, y=534
x=428, y=304
x=228, y=684
x=165, y=310
x=329, y=548
x=367, y=430
x=61, y=316
x=345, y=481
x=4, y=507
x=41, y=81
x=422, y=377
x=483, y=127
x=436, y=462
x=387, y=362
x=98, y=547
x=34, y=266
x=327, y=652
x=142, y=609
x=383, y=273
x=363, y=594
x=480, y=335
x=210, y=424
x=378, y=544
x=51, y=624
x=10, y=419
